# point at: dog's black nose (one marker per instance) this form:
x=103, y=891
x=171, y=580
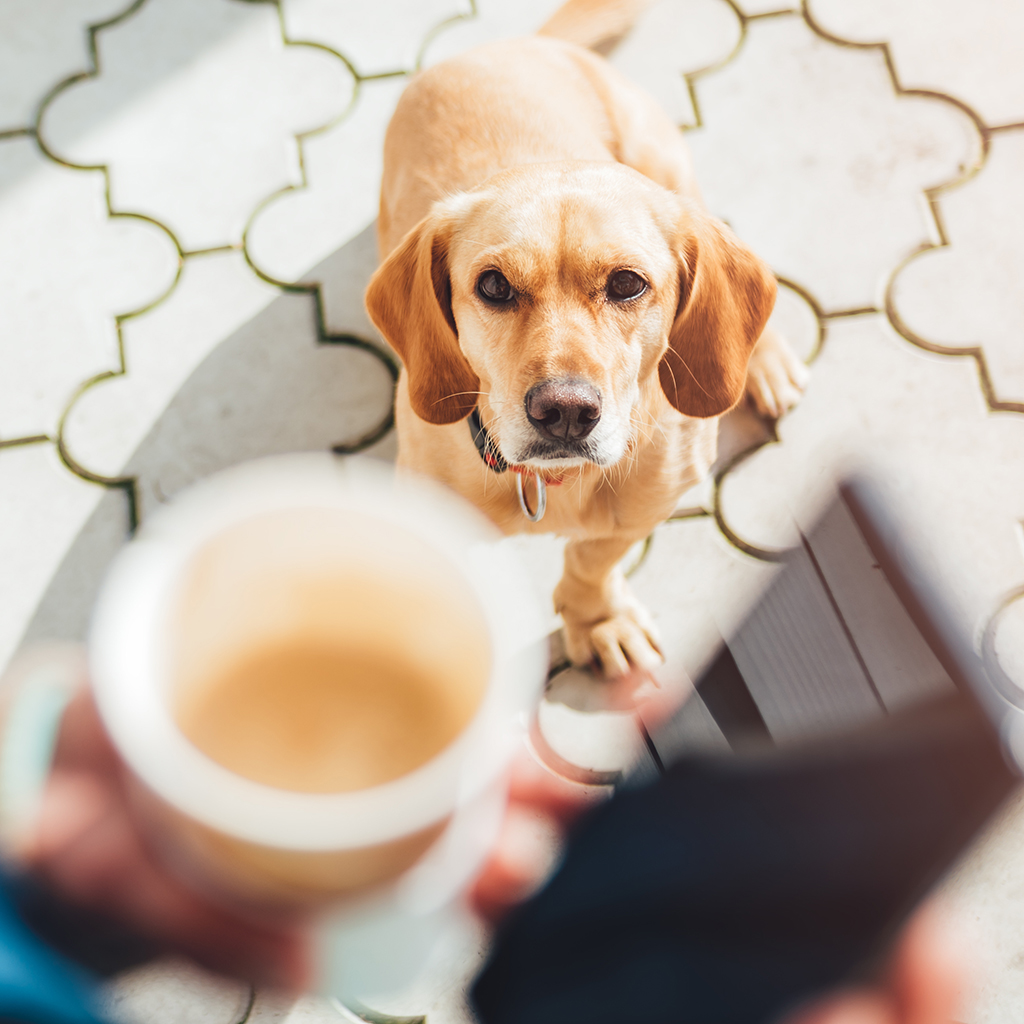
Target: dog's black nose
x=563, y=410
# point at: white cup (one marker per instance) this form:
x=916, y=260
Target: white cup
x=320, y=549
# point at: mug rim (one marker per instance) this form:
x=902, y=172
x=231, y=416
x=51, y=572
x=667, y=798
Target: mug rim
x=128, y=655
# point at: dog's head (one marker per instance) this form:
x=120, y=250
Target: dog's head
x=555, y=295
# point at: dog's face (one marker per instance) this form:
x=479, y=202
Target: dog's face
x=554, y=295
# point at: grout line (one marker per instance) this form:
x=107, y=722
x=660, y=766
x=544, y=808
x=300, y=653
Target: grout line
x=18, y=442
x=932, y=197
x=247, y=1012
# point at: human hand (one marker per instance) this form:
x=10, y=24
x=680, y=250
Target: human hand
x=924, y=982
x=86, y=844
x=926, y=974
x=542, y=805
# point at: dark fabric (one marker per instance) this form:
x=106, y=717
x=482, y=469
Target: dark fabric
x=37, y=985
x=93, y=940
x=737, y=885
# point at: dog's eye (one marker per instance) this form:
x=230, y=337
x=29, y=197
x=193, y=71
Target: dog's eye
x=493, y=286
x=624, y=284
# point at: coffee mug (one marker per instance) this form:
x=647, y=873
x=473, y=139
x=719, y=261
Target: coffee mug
x=316, y=674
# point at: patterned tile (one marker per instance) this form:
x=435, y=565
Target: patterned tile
x=217, y=98
x=675, y=38
x=699, y=587
x=44, y=42
x=967, y=294
x=376, y=39
x=493, y=19
x=966, y=49
x=876, y=398
x=860, y=196
x=299, y=227
x=817, y=164
x=67, y=245
x=163, y=348
x=42, y=510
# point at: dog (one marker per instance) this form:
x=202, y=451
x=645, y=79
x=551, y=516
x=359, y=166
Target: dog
x=550, y=275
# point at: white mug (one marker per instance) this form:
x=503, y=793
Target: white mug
x=313, y=549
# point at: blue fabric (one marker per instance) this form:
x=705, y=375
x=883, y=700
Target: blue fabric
x=37, y=986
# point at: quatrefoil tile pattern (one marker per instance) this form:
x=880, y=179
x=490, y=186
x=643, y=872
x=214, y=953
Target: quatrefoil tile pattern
x=40, y=46
x=61, y=241
x=378, y=39
x=970, y=50
x=865, y=381
x=196, y=112
x=967, y=294
x=825, y=180
x=187, y=199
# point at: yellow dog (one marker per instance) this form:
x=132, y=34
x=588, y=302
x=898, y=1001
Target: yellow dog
x=551, y=276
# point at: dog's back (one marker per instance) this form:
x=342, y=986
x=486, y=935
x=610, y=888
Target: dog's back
x=594, y=24
x=533, y=100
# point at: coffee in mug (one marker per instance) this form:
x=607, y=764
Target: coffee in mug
x=316, y=675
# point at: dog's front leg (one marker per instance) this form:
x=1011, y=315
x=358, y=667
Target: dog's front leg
x=776, y=377
x=603, y=620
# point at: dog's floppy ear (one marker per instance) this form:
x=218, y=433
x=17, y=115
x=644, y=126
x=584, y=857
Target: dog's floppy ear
x=409, y=299
x=726, y=295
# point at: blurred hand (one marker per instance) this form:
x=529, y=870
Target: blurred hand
x=87, y=846
x=926, y=978
x=926, y=974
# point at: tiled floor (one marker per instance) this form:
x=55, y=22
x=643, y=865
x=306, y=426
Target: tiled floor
x=187, y=191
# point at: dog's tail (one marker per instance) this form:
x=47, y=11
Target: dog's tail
x=594, y=24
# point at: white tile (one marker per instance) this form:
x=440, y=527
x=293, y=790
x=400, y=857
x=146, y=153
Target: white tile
x=795, y=319
x=268, y=388
x=175, y=991
x=42, y=510
x=64, y=609
x=671, y=39
x=210, y=129
x=273, y=1008
x=71, y=270
x=215, y=295
x=755, y=8
x=227, y=368
x=952, y=465
x=814, y=161
x=343, y=169
x=209, y=385
x=969, y=294
x=495, y=19
x=43, y=42
x=376, y=38
x=966, y=48
x=343, y=277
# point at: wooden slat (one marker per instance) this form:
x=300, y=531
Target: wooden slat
x=798, y=661
x=900, y=663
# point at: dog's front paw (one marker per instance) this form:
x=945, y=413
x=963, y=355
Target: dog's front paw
x=776, y=377
x=625, y=638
